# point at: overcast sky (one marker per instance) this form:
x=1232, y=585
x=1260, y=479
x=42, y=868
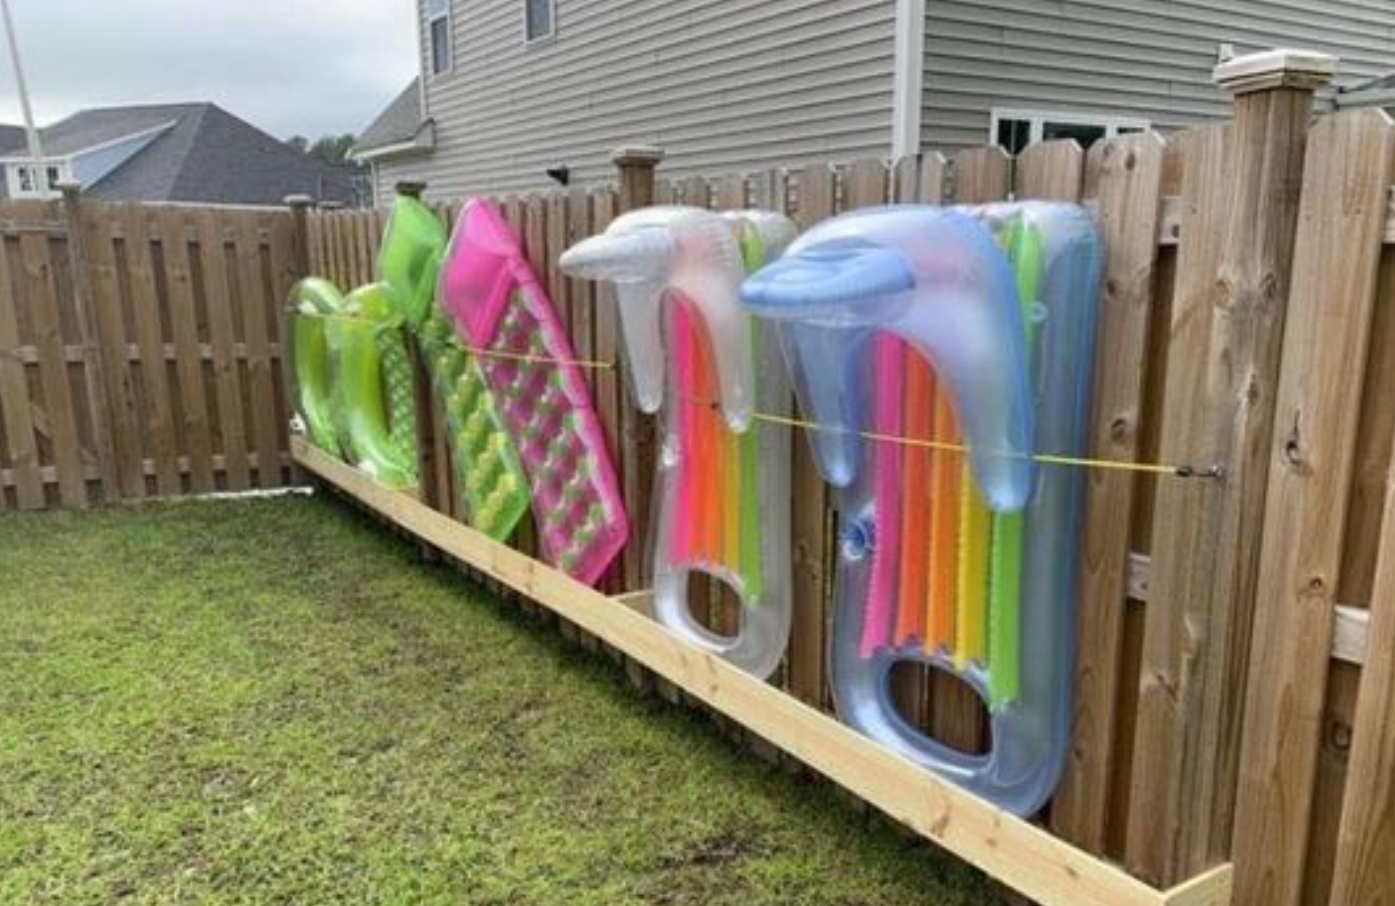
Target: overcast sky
x=308, y=67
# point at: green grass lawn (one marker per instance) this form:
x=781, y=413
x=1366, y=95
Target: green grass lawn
x=275, y=702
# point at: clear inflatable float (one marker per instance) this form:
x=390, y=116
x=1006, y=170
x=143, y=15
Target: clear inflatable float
x=909, y=329
x=696, y=356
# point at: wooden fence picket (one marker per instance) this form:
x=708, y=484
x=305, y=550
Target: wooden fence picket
x=232, y=419
x=1126, y=187
x=1053, y=170
x=196, y=426
x=54, y=416
x=811, y=520
x=144, y=299
x=261, y=372
x=14, y=386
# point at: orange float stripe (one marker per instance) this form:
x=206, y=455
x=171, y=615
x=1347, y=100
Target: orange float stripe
x=710, y=464
x=945, y=472
x=918, y=421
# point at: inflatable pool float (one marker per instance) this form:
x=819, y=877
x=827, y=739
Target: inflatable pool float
x=354, y=386
x=487, y=475
x=908, y=330
x=723, y=480
x=354, y=378
x=500, y=308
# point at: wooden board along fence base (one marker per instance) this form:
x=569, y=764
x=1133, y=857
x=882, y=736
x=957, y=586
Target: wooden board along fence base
x=1017, y=853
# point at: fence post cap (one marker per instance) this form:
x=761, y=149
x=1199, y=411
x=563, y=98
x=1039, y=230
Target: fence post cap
x=298, y=201
x=1281, y=68
x=411, y=188
x=67, y=186
x=637, y=155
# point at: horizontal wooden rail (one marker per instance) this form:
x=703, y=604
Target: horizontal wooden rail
x=1349, y=638
x=1021, y=855
x=90, y=471
x=1170, y=220
x=74, y=355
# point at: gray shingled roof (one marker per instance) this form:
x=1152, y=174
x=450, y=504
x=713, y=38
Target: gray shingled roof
x=399, y=123
x=207, y=155
x=90, y=128
x=11, y=138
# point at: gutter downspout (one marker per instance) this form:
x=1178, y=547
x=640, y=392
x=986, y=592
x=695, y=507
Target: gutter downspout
x=908, y=85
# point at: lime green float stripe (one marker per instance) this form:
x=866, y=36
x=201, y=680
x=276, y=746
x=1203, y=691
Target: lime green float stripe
x=1023, y=244
x=310, y=300
x=401, y=392
x=488, y=474
x=409, y=258
x=312, y=380
x=752, y=569
x=359, y=403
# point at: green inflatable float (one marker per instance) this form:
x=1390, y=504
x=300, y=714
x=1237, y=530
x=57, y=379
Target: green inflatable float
x=354, y=392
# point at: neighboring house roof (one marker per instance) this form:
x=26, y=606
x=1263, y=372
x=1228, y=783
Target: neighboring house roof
x=91, y=128
x=399, y=129
x=191, y=153
x=11, y=138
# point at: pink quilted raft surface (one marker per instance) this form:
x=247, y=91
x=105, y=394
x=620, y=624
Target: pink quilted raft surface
x=498, y=304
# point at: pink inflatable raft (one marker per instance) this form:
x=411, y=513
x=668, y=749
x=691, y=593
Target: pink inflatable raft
x=503, y=312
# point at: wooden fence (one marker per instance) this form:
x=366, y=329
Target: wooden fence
x=139, y=350
x=1248, y=324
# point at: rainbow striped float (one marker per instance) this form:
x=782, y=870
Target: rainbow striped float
x=938, y=350
x=697, y=356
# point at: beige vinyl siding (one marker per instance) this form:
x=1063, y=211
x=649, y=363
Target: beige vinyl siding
x=1150, y=59
x=717, y=85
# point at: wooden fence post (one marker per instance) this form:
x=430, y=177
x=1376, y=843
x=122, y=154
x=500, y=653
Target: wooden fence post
x=635, y=165
x=1206, y=532
x=93, y=365
x=1336, y=266
x=300, y=206
x=635, y=170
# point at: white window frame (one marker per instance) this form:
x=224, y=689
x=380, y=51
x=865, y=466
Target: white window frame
x=429, y=19
x=17, y=168
x=550, y=35
x=1039, y=118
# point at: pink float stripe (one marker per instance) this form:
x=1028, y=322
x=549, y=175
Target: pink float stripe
x=881, y=599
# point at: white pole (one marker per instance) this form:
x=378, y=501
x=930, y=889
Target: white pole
x=907, y=95
x=36, y=149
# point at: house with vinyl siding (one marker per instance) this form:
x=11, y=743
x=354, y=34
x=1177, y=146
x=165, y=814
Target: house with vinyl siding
x=509, y=89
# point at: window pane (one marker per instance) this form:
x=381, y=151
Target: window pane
x=1084, y=135
x=440, y=46
x=1013, y=135
x=26, y=179
x=53, y=177
x=539, y=14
